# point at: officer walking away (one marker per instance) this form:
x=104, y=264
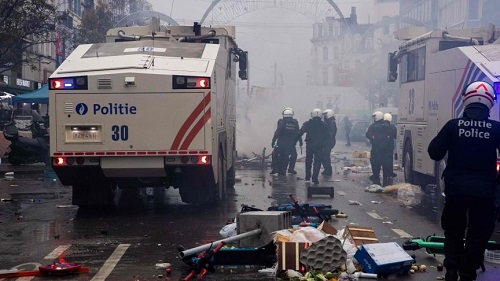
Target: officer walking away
x=471, y=142
x=293, y=153
x=389, y=154
x=315, y=130
x=330, y=143
x=347, y=125
x=285, y=138
x=378, y=135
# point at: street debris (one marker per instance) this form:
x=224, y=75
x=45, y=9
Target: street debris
x=353, y=202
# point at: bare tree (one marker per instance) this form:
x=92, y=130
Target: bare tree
x=23, y=25
x=95, y=23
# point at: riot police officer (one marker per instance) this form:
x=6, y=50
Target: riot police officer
x=285, y=137
x=314, y=129
x=380, y=140
x=330, y=143
x=471, y=143
x=388, y=159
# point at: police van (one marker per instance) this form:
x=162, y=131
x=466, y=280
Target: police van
x=152, y=107
x=433, y=70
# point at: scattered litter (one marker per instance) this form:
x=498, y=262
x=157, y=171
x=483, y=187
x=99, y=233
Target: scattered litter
x=164, y=265
x=229, y=230
x=353, y=202
x=65, y=206
x=6, y=200
x=375, y=188
x=337, y=180
x=237, y=178
x=377, y=202
x=271, y=271
x=9, y=174
x=387, y=222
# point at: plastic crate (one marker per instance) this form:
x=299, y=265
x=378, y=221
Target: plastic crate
x=492, y=256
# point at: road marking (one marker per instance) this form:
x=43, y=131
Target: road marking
x=374, y=215
x=110, y=263
x=57, y=252
x=402, y=233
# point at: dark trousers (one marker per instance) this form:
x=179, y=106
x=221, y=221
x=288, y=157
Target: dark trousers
x=313, y=154
x=376, y=161
x=387, y=166
x=477, y=217
x=284, y=152
x=327, y=161
x=293, y=159
x=275, y=160
x=348, y=136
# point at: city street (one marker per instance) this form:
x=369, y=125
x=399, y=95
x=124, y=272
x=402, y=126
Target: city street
x=39, y=226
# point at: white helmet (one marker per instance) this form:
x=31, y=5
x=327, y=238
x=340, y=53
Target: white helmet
x=288, y=112
x=388, y=117
x=377, y=115
x=480, y=92
x=316, y=113
x=328, y=113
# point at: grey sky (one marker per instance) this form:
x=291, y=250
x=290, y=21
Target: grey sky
x=272, y=37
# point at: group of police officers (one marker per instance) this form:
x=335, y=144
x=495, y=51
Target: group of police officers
x=321, y=131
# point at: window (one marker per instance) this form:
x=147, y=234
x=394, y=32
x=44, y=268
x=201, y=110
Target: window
x=413, y=66
x=325, y=76
x=325, y=53
x=336, y=52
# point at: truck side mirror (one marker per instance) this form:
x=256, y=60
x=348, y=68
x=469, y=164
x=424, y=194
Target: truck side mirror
x=392, y=72
x=243, y=64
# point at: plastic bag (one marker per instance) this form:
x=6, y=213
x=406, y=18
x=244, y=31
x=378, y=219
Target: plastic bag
x=308, y=234
x=228, y=230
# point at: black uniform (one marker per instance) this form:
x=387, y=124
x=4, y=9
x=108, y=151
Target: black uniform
x=285, y=137
x=315, y=130
x=379, y=136
x=330, y=143
x=388, y=159
x=470, y=178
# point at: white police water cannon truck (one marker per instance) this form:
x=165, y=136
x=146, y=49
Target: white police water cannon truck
x=434, y=70
x=154, y=106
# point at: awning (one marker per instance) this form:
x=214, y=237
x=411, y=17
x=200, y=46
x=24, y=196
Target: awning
x=37, y=96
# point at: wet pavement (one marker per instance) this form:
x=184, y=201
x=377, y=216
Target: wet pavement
x=38, y=224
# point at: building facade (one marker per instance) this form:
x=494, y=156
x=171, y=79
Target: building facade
x=25, y=79
x=346, y=56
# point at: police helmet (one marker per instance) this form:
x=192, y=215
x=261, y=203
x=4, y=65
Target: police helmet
x=316, y=113
x=480, y=92
x=288, y=112
x=388, y=117
x=377, y=115
x=328, y=113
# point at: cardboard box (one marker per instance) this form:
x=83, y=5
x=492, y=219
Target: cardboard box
x=359, y=235
x=383, y=258
x=289, y=255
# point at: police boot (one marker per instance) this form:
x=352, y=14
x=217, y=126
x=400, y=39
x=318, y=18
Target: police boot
x=374, y=179
x=451, y=275
x=387, y=181
x=467, y=275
